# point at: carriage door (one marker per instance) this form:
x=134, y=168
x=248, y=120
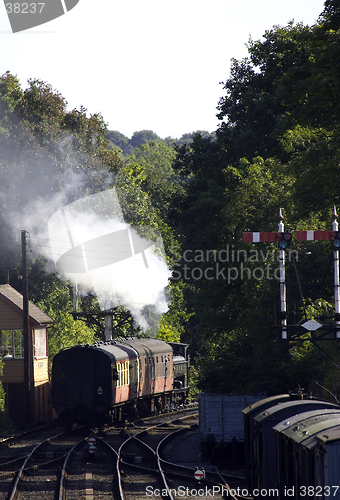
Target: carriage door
x=134, y=378
x=153, y=375
x=81, y=379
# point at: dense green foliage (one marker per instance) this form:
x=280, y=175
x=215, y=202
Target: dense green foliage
x=49, y=154
x=277, y=146
x=128, y=146
x=4, y=420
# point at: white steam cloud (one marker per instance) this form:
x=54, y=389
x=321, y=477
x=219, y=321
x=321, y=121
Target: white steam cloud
x=87, y=241
x=93, y=247
x=90, y=245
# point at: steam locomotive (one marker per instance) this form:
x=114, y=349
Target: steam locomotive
x=109, y=382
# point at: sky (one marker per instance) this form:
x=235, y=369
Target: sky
x=145, y=65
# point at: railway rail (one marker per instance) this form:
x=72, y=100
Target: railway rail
x=129, y=462
x=157, y=476
x=30, y=464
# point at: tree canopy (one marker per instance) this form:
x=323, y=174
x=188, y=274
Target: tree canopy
x=277, y=146
x=51, y=157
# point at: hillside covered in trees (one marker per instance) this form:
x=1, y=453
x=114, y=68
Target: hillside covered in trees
x=128, y=145
x=277, y=146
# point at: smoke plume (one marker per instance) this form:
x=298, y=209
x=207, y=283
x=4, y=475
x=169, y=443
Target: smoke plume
x=84, y=238
x=93, y=247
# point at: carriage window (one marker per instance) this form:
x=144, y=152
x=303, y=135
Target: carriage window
x=119, y=369
x=123, y=373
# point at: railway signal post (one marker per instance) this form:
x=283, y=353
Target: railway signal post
x=283, y=237
x=334, y=237
x=284, y=243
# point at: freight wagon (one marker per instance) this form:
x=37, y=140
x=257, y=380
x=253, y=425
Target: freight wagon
x=221, y=425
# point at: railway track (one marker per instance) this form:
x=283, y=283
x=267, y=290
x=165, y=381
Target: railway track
x=30, y=464
x=154, y=456
x=145, y=473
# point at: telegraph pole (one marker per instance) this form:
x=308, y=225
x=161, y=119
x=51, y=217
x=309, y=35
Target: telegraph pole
x=26, y=331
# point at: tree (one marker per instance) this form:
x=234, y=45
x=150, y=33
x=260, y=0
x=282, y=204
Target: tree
x=330, y=16
x=273, y=149
x=189, y=137
x=66, y=331
x=4, y=421
x=120, y=141
x=65, y=153
x=142, y=137
x=161, y=182
x=253, y=114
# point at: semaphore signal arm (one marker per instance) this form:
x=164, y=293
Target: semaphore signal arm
x=283, y=238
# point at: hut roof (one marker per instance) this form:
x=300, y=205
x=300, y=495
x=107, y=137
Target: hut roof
x=15, y=299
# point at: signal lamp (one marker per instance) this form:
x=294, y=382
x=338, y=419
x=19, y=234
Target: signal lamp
x=286, y=239
x=336, y=240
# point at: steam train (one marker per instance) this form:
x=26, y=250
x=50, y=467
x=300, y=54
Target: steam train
x=110, y=382
x=292, y=447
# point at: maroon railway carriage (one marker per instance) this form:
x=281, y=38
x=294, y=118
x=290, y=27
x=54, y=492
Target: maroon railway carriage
x=111, y=381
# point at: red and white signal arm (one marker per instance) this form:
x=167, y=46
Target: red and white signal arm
x=260, y=237
x=315, y=235
x=199, y=474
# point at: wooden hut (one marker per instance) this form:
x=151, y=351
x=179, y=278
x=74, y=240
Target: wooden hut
x=25, y=379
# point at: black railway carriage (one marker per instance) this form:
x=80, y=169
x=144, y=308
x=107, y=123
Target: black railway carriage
x=327, y=464
x=249, y=415
x=296, y=448
x=85, y=381
x=111, y=381
x=264, y=437
x=300, y=463
x=295, y=463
